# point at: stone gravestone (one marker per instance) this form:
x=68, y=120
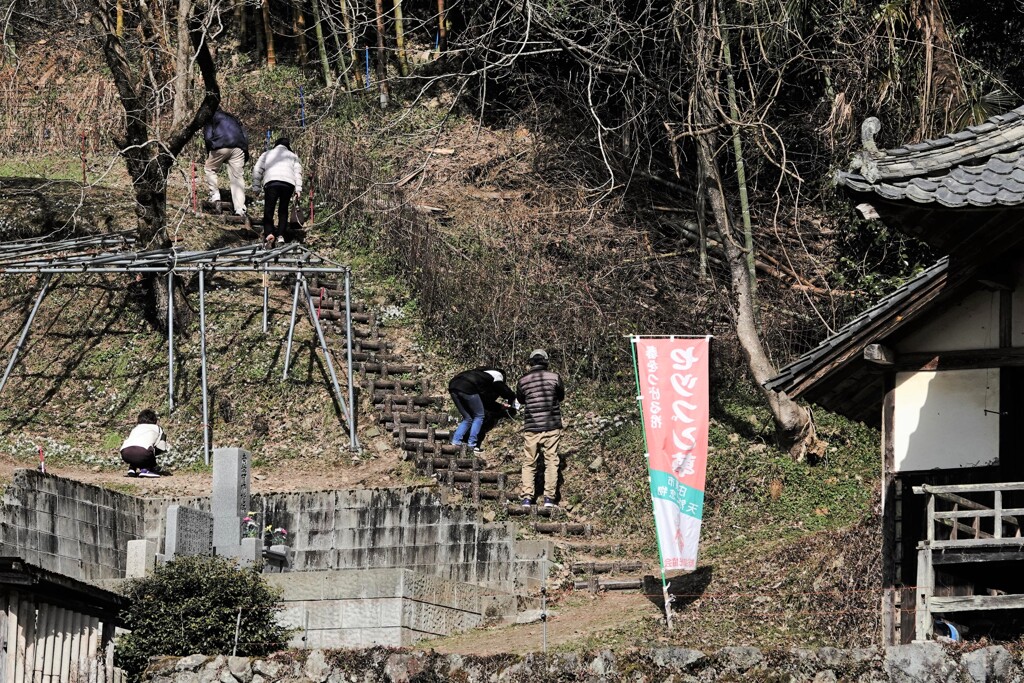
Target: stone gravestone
x=189, y=532
x=229, y=504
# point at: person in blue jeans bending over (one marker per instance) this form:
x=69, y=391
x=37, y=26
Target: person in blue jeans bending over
x=470, y=390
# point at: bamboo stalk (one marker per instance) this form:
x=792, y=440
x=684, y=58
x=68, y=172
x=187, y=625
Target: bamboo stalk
x=269, y=36
x=403, y=62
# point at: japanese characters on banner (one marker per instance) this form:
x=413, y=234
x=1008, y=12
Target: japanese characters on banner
x=673, y=394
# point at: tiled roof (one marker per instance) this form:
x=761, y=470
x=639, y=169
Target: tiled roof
x=981, y=166
x=886, y=307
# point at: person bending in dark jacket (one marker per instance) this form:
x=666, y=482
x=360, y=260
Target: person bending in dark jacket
x=470, y=390
x=226, y=143
x=541, y=392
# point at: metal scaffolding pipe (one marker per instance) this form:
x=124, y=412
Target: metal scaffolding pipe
x=291, y=327
x=170, y=341
x=202, y=353
x=352, y=443
x=327, y=354
x=266, y=298
x=24, y=332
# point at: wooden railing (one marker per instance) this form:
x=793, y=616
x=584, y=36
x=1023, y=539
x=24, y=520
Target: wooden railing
x=971, y=515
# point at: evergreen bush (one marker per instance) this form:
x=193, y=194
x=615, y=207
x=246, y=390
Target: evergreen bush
x=192, y=605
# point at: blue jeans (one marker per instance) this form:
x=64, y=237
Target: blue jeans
x=471, y=407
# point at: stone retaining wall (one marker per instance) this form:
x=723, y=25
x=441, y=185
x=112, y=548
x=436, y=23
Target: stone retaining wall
x=923, y=663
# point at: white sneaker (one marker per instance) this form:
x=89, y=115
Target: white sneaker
x=215, y=196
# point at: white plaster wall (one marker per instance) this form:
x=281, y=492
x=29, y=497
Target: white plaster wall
x=972, y=323
x=940, y=419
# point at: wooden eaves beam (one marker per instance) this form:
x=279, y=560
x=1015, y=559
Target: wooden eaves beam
x=944, y=360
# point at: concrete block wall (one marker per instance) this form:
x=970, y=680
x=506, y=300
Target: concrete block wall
x=361, y=608
x=389, y=528
x=79, y=530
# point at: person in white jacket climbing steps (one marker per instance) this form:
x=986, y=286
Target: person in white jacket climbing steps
x=278, y=174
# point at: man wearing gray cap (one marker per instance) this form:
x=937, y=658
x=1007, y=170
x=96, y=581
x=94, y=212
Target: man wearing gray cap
x=540, y=392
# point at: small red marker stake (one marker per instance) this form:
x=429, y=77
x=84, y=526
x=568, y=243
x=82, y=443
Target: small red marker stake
x=84, y=181
x=310, y=205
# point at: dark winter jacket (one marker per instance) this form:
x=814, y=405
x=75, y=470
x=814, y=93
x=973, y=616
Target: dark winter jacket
x=479, y=381
x=224, y=131
x=541, y=393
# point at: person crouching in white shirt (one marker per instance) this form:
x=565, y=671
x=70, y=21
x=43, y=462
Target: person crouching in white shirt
x=143, y=444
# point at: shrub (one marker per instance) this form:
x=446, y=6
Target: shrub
x=192, y=605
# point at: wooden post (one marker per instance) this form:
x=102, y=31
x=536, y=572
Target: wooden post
x=11, y=651
x=889, y=536
x=925, y=583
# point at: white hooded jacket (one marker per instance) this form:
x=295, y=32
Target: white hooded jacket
x=281, y=164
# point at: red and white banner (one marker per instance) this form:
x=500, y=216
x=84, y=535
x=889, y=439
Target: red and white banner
x=672, y=378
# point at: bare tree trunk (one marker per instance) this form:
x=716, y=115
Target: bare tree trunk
x=182, y=64
x=269, y=33
x=350, y=39
x=442, y=29
x=382, y=64
x=403, y=62
x=338, y=50
x=793, y=424
x=321, y=46
x=240, y=21
x=299, y=29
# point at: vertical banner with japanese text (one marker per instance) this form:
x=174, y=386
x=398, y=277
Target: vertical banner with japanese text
x=672, y=378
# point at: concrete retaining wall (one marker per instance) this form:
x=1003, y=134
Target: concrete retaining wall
x=361, y=608
x=65, y=526
x=390, y=528
x=82, y=531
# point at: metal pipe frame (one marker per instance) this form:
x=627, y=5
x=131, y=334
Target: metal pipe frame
x=266, y=298
x=170, y=342
x=311, y=310
x=291, y=327
x=24, y=332
x=353, y=443
x=202, y=352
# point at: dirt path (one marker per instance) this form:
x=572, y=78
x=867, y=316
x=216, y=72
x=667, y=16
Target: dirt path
x=575, y=619
x=294, y=475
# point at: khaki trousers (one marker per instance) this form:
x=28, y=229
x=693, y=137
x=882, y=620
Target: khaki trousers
x=235, y=159
x=533, y=444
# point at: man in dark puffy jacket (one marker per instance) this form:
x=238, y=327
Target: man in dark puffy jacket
x=471, y=390
x=226, y=143
x=540, y=393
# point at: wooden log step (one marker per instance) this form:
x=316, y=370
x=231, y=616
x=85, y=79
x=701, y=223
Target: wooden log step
x=418, y=433
x=446, y=463
x=370, y=344
x=537, y=510
x=481, y=493
x=594, y=585
x=365, y=356
x=392, y=385
x=386, y=369
x=606, y=567
x=563, y=528
x=329, y=314
x=235, y=219
x=475, y=477
x=405, y=399
x=434, y=448
x=421, y=418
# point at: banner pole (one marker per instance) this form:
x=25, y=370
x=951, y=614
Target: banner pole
x=647, y=451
